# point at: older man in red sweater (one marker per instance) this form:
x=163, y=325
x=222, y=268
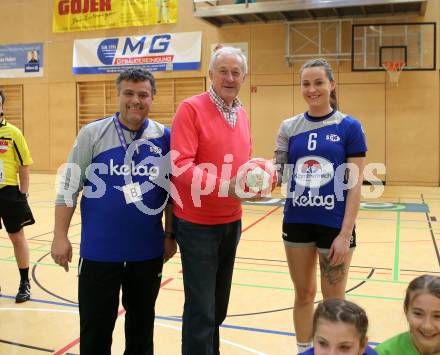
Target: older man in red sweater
x=211, y=136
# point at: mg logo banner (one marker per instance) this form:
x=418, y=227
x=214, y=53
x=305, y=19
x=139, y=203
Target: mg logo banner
x=161, y=52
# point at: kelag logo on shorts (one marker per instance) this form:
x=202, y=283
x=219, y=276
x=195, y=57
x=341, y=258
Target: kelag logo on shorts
x=313, y=171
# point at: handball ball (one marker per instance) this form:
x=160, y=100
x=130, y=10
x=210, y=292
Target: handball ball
x=260, y=176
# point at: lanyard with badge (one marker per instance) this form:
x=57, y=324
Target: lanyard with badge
x=132, y=192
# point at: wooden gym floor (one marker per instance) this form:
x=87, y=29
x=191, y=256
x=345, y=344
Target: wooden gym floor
x=398, y=239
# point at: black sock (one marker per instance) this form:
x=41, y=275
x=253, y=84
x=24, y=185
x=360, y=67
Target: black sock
x=24, y=274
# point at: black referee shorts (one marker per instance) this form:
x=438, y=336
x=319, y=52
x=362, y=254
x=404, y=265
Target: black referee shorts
x=14, y=209
x=300, y=235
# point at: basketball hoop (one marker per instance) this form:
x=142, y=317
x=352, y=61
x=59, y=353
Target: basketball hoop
x=394, y=69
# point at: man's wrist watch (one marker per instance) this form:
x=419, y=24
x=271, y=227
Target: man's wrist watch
x=26, y=194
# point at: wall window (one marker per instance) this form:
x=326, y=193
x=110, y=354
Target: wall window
x=97, y=99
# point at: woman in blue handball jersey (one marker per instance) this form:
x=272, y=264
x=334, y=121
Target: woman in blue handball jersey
x=322, y=152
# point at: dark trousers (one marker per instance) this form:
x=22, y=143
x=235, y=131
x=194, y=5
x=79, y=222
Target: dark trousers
x=208, y=254
x=98, y=295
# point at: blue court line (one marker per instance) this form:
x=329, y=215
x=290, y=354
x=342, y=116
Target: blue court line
x=179, y=320
x=43, y=301
x=392, y=219
x=362, y=218
x=366, y=218
x=249, y=329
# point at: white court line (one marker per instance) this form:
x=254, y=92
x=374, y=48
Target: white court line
x=242, y=347
x=252, y=351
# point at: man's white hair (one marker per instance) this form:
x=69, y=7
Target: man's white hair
x=228, y=50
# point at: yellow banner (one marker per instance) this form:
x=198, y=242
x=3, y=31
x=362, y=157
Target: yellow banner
x=87, y=15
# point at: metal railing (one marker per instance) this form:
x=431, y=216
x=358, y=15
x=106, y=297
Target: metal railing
x=211, y=3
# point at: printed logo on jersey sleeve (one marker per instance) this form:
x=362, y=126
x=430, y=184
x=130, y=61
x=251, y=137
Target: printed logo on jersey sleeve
x=3, y=146
x=332, y=137
x=313, y=171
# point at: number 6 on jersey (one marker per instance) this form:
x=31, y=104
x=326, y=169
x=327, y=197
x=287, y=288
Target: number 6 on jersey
x=311, y=145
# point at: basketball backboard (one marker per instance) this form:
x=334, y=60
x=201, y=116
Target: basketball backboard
x=411, y=43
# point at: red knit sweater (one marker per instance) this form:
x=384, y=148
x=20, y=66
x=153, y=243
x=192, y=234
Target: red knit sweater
x=207, y=149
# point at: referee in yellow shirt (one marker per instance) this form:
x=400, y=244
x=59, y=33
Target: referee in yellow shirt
x=15, y=212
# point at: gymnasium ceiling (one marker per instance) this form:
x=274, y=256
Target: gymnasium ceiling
x=265, y=11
